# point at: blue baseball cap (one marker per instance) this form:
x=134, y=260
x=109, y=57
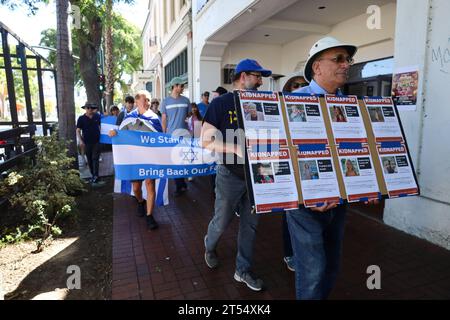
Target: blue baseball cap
x=248, y=65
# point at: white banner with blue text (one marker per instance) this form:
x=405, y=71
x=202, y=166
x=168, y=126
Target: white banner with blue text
x=152, y=155
x=107, y=123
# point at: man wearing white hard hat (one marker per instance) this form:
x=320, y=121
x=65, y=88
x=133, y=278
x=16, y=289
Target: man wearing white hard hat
x=317, y=233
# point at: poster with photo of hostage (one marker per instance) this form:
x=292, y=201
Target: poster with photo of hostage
x=358, y=172
x=317, y=175
x=397, y=171
x=305, y=119
x=346, y=120
x=405, y=82
x=384, y=119
x=273, y=180
x=262, y=118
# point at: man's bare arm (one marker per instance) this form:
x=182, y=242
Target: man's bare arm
x=164, y=122
x=208, y=141
x=79, y=136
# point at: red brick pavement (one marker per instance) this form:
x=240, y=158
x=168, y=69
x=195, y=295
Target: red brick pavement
x=168, y=263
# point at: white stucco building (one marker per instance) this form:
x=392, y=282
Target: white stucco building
x=279, y=35
x=167, y=37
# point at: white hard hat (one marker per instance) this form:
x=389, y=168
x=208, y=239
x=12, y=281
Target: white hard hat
x=322, y=45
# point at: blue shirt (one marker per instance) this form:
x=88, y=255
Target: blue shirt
x=176, y=111
x=202, y=107
x=314, y=88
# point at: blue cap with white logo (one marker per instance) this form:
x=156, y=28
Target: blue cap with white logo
x=249, y=65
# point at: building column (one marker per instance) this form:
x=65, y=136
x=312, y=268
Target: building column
x=177, y=8
x=209, y=69
x=423, y=44
x=169, y=14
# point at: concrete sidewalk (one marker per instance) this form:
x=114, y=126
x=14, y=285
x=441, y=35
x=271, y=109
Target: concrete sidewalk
x=168, y=263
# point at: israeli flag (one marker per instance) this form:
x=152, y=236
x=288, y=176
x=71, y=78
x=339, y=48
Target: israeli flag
x=141, y=155
x=161, y=186
x=149, y=119
x=107, y=123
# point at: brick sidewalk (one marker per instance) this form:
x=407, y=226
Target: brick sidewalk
x=168, y=263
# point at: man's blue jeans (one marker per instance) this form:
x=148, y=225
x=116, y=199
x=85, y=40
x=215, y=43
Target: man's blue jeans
x=231, y=193
x=317, y=243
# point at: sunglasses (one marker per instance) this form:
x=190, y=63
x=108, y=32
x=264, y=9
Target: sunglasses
x=297, y=85
x=340, y=58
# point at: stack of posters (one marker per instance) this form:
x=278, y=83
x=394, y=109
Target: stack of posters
x=273, y=180
x=391, y=147
x=318, y=181
x=309, y=150
x=270, y=175
x=350, y=136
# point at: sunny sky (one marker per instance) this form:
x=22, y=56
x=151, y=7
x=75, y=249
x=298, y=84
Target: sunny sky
x=29, y=27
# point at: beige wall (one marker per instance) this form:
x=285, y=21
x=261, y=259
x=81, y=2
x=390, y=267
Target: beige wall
x=167, y=21
x=264, y=54
x=372, y=44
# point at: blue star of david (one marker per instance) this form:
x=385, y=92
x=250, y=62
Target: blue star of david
x=189, y=155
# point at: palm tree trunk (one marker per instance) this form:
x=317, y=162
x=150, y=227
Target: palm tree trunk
x=109, y=58
x=89, y=48
x=65, y=78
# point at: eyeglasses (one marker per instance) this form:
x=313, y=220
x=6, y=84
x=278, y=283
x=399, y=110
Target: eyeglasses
x=259, y=76
x=297, y=85
x=340, y=58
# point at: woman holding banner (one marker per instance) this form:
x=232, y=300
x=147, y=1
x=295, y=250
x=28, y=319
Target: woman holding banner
x=143, y=119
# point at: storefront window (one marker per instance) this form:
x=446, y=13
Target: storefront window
x=372, y=78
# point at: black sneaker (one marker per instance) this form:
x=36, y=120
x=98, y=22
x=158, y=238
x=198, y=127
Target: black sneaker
x=142, y=209
x=151, y=222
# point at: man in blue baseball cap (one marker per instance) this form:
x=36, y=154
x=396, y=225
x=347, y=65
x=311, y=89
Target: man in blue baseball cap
x=219, y=123
x=250, y=69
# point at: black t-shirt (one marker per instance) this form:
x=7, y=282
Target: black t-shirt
x=221, y=114
x=90, y=128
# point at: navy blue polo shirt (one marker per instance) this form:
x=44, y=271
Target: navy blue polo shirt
x=90, y=128
x=221, y=113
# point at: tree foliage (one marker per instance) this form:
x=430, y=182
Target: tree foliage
x=43, y=191
x=31, y=5
x=127, y=48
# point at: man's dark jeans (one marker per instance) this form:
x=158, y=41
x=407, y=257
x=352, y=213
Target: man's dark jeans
x=93, y=155
x=317, y=242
